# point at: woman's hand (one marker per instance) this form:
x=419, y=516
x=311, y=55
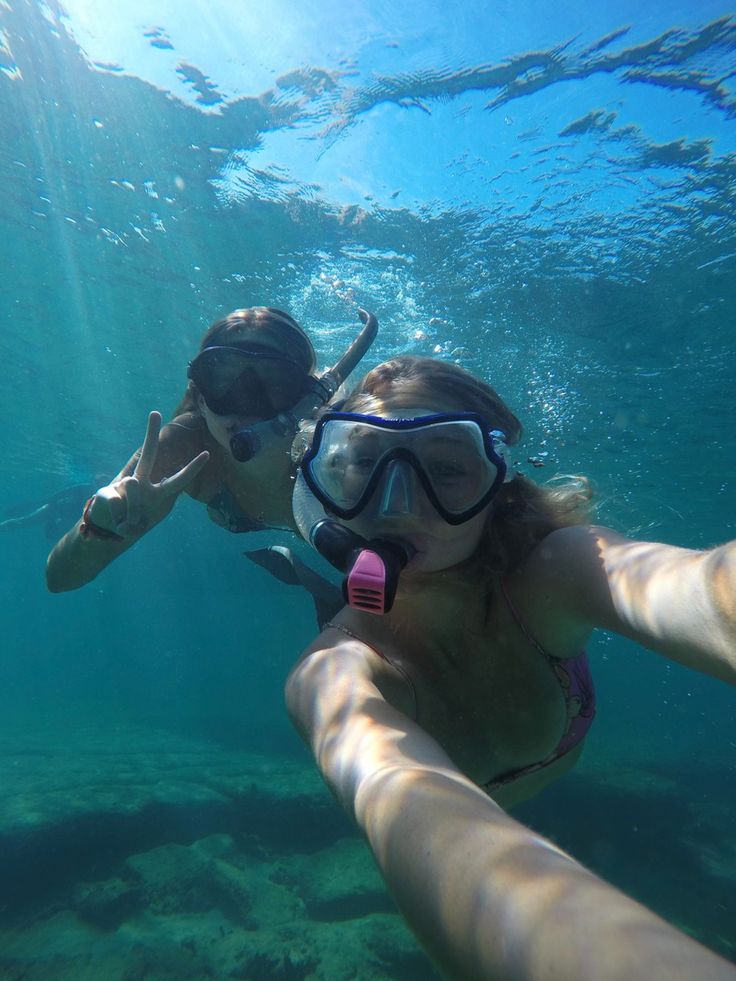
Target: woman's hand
x=129, y=505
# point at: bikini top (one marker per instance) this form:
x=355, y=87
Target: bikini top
x=572, y=674
x=574, y=678
x=223, y=508
x=225, y=511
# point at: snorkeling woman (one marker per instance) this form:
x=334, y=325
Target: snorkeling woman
x=455, y=683
x=226, y=446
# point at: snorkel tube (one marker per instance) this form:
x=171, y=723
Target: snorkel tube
x=246, y=443
x=371, y=567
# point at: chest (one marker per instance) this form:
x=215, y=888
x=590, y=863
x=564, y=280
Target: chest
x=491, y=699
x=242, y=502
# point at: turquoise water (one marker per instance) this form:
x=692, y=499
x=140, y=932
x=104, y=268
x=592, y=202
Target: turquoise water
x=547, y=199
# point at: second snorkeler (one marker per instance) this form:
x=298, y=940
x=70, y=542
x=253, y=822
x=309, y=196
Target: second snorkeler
x=226, y=446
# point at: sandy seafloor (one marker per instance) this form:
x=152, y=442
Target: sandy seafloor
x=134, y=853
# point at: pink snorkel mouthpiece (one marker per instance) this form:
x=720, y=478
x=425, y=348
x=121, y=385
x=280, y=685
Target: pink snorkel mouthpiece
x=365, y=585
x=371, y=568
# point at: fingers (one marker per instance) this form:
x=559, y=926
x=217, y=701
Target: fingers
x=108, y=509
x=119, y=507
x=134, y=517
x=150, y=447
x=131, y=504
x=178, y=481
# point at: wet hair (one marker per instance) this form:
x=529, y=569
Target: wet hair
x=523, y=513
x=262, y=325
x=416, y=383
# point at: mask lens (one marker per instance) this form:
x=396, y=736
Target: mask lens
x=345, y=461
x=454, y=460
x=233, y=381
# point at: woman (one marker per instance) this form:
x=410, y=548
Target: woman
x=472, y=691
x=227, y=445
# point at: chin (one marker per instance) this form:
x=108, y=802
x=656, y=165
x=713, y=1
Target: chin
x=424, y=564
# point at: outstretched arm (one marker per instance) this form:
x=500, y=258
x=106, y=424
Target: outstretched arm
x=120, y=514
x=486, y=896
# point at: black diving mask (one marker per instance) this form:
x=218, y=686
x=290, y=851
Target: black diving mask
x=248, y=380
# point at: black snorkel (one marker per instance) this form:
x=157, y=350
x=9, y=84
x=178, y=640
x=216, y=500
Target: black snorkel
x=248, y=442
x=371, y=567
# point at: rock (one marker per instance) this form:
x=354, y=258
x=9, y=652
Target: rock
x=106, y=904
x=340, y=882
x=185, y=879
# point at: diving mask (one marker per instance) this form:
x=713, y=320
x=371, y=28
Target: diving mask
x=257, y=380
x=456, y=457
x=248, y=379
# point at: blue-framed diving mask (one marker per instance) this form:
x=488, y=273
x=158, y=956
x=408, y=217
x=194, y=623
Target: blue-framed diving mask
x=456, y=457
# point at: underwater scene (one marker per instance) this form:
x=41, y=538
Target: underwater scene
x=542, y=193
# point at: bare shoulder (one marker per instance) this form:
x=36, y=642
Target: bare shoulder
x=181, y=436
x=576, y=543
x=589, y=576
x=339, y=655
x=345, y=666
x=326, y=676
x=179, y=442
x=566, y=558
x=569, y=554
x=562, y=586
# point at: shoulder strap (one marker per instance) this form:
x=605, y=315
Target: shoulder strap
x=522, y=626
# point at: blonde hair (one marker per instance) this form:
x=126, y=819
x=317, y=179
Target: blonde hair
x=523, y=513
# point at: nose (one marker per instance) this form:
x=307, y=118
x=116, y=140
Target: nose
x=398, y=490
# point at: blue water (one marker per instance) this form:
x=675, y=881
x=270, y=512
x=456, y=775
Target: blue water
x=547, y=198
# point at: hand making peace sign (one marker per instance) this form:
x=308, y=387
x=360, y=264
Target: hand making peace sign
x=130, y=504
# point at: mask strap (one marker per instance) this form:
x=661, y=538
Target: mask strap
x=501, y=448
